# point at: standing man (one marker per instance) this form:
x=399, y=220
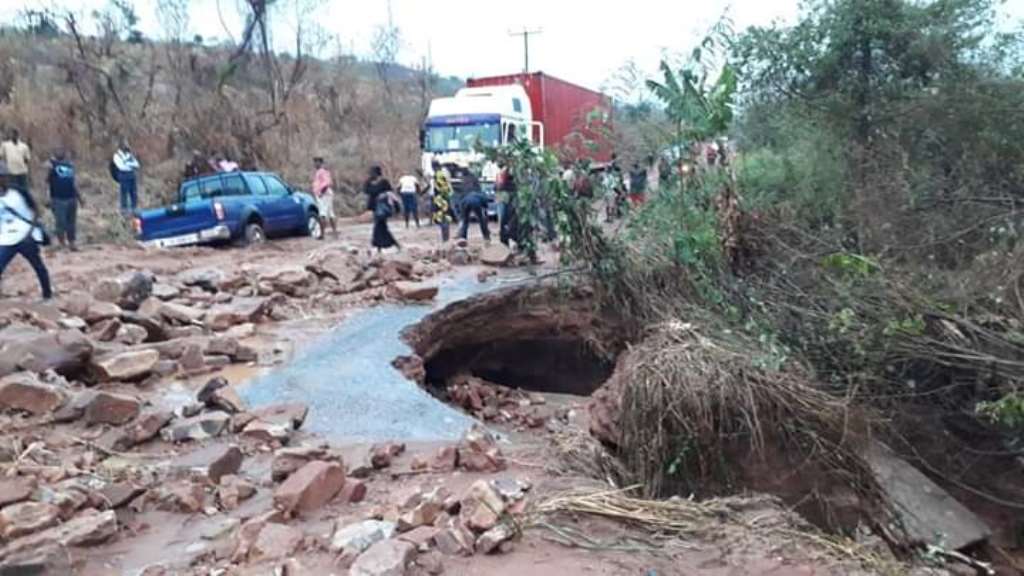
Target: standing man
x=409, y=188
x=195, y=167
x=126, y=167
x=64, y=199
x=323, y=191
x=20, y=232
x=17, y=155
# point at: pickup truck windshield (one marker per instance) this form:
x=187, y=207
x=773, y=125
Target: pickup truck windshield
x=461, y=138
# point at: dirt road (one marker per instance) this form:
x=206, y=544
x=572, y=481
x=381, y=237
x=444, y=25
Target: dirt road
x=210, y=411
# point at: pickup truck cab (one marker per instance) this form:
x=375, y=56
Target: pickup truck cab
x=243, y=206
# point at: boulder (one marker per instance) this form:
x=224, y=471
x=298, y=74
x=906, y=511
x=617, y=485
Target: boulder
x=126, y=366
x=109, y=408
x=24, y=391
x=415, y=291
x=17, y=489
x=24, y=518
x=202, y=427
x=385, y=558
x=210, y=463
x=221, y=346
x=212, y=385
x=204, y=278
x=496, y=255
x=276, y=541
x=192, y=359
x=241, y=331
x=127, y=291
x=312, y=486
x=358, y=537
x=267, y=433
x=87, y=529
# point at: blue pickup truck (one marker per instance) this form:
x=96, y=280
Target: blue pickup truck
x=246, y=207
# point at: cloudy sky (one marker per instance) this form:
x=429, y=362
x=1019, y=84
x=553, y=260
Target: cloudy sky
x=579, y=40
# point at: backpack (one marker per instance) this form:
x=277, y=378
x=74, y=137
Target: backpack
x=112, y=167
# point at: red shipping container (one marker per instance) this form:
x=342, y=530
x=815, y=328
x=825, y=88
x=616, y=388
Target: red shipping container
x=577, y=121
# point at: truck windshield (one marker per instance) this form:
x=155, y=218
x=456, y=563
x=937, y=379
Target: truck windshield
x=461, y=138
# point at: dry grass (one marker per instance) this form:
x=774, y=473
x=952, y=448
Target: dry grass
x=698, y=413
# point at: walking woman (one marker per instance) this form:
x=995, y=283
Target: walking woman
x=384, y=201
x=442, y=201
x=19, y=231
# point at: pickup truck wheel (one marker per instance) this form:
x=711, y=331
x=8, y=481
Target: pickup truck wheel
x=254, y=234
x=314, y=227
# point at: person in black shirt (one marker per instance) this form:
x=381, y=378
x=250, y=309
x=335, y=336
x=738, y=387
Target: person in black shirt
x=381, y=199
x=64, y=199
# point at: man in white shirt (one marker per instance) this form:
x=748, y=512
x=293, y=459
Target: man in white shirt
x=18, y=232
x=17, y=155
x=409, y=187
x=127, y=167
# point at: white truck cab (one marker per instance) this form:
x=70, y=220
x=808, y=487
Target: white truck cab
x=488, y=115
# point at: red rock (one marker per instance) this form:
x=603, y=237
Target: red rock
x=185, y=497
x=210, y=463
x=492, y=539
x=23, y=391
x=266, y=432
x=47, y=559
x=106, y=330
x=126, y=366
x=415, y=291
x=481, y=507
x=276, y=541
x=385, y=558
x=22, y=519
x=221, y=346
x=419, y=464
x=147, y=426
x=87, y=529
x=120, y=494
x=354, y=491
x=234, y=490
x=479, y=452
x=18, y=489
x=100, y=311
x=114, y=409
x=446, y=459
x=454, y=541
x=421, y=537
x=292, y=414
x=192, y=359
x=312, y=486
x=432, y=563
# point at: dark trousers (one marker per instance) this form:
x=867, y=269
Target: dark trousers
x=30, y=251
x=65, y=215
x=468, y=209
x=19, y=182
x=129, y=191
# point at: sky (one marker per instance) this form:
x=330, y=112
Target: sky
x=579, y=40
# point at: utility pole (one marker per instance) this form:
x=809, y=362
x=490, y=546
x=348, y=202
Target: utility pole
x=525, y=33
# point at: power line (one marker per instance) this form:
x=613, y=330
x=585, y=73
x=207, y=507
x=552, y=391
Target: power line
x=525, y=33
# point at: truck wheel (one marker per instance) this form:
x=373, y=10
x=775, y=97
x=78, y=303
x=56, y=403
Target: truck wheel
x=314, y=228
x=254, y=234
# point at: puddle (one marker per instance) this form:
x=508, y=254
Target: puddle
x=346, y=377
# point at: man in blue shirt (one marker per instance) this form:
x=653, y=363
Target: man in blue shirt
x=64, y=199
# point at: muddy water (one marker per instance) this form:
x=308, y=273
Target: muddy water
x=353, y=392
